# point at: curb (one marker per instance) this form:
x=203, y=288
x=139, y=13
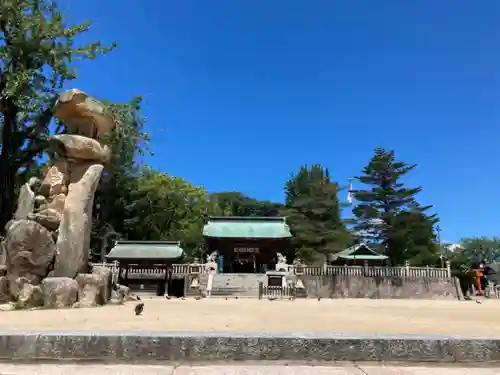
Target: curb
x=196, y=347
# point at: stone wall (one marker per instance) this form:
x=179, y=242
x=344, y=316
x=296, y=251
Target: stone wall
x=200, y=347
x=381, y=287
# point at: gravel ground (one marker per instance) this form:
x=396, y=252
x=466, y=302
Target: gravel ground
x=250, y=315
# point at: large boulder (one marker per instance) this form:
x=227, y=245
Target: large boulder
x=83, y=114
x=4, y=290
x=107, y=281
x=30, y=249
x=124, y=294
x=73, y=240
x=59, y=292
x=16, y=286
x=78, y=147
x=30, y=296
x=92, y=289
x=57, y=178
x=25, y=202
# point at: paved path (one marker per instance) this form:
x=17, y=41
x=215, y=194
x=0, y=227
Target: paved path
x=9, y=369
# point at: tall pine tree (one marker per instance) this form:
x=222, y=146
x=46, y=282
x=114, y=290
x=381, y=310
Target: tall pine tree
x=313, y=213
x=388, y=215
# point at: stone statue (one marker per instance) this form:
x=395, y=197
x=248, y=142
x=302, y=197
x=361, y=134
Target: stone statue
x=211, y=264
x=212, y=258
x=47, y=243
x=281, y=263
x=281, y=258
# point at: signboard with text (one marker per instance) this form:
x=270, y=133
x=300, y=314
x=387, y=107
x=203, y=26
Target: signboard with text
x=246, y=250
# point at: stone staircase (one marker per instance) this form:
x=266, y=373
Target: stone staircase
x=243, y=285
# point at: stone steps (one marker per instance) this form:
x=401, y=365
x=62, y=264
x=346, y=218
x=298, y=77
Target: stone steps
x=234, y=285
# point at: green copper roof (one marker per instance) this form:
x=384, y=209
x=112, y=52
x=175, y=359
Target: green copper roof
x=364, y=257
x=158, y=250
x=246, y=227
x=361, y=252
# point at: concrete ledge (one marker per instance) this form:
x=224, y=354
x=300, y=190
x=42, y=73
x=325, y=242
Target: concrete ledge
x=197, y=347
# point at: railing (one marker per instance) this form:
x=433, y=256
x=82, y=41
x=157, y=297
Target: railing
x=276, y=292
x=406, y=271
x=369, y=271
x=145, y=273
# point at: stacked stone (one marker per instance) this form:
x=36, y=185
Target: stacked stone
x=47, y=244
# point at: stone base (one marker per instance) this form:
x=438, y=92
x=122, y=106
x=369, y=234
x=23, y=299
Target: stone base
x=182, y=347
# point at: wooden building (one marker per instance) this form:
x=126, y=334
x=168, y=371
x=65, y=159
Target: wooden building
x=247, y=244
x=147, y=255
x=358, y=255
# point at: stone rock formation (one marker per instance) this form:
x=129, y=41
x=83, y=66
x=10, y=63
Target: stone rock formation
x=59, y=292
x=94, y=289
x=46, y=246
x=29, y=248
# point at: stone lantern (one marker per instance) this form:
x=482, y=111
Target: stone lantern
x=194, y=274
x=299, y=273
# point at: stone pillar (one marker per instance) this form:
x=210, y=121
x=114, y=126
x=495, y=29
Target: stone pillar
x=407, y=268
x=194, y=277
x=448, y=268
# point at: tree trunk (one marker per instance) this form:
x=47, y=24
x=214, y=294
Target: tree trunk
x=7, y=187
x=7, y=167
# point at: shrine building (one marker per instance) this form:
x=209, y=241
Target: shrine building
x=247, y=244
x=358, y=255
x=148, y=263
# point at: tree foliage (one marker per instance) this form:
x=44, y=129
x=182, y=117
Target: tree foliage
x=37, y=50
x=313, y=213
x=165, y=207
x=388, y=215
x=237, y=204
x=476, y=250
x=114, y=193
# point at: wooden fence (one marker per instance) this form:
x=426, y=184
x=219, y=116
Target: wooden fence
x=276, y=292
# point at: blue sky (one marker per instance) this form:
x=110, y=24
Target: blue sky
x=240, y=93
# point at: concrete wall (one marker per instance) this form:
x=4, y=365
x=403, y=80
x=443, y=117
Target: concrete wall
x=106, y=348
x=381, y=287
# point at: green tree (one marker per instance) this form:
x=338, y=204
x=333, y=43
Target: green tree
x=237, y=204
x=37, y=49
x=477, y=250
x=167, y=208
x=388, y=215
x=313, y=213
x=114, y=196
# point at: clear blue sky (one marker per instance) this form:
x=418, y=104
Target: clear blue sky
x=240, y=93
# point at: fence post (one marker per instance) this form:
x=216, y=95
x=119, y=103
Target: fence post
x=448, y=268
x=261, y=289
x=365, y=268
x=427, y=271
x=325, y=268
x=407, y=268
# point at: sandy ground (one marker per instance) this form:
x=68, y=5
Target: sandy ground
x=249, y=315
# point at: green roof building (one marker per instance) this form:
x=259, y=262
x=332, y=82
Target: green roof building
x=147, y=255
x=158, y=252
x=359, y=254
x=247, y=244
